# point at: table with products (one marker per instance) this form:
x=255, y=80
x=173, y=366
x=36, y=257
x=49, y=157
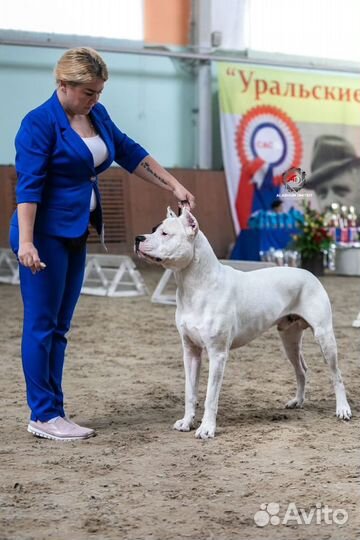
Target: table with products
x=251, y=241
x=267, y=230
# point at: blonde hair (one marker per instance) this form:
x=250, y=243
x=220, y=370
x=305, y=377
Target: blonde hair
x=80, y=65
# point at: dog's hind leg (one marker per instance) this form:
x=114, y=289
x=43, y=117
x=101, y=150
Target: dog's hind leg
x=291, y=338
x=328, y=347
x=192, y=363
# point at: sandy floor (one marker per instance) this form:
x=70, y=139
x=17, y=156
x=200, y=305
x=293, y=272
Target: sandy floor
x=139, y=479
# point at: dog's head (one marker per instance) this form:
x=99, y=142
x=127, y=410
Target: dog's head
x=171, y=243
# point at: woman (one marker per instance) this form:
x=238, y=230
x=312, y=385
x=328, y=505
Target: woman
x=61, y=147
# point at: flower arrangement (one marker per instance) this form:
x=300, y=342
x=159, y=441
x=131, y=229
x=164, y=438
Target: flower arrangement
x=314, y=237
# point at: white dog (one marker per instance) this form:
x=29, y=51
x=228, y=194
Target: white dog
x=220, y=308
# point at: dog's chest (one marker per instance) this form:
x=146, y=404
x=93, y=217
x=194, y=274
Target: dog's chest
x=191, y=329
x=201, y=328
x=190, y=324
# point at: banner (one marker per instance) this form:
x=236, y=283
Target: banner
x=276, y=119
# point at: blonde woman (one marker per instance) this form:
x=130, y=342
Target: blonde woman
x=61, y=147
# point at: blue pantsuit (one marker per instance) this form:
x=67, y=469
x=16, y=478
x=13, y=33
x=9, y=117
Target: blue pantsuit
x=56, y=171
x=49, y=299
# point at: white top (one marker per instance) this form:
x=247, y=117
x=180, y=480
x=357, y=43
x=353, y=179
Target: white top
x=99, y=152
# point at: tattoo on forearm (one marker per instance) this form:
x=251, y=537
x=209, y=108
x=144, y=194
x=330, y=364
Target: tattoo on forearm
x=147, y=167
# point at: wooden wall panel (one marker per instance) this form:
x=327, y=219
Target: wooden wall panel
x=148, y=205
x=132, y=206
x=114, y=194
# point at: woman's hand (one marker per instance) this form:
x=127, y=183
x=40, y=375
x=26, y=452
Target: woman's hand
x=184, y=197
x=28, y=256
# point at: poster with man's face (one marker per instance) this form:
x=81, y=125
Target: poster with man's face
x=332, y=157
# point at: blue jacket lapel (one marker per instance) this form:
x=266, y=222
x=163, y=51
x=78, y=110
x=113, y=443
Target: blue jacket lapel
x=70, y=135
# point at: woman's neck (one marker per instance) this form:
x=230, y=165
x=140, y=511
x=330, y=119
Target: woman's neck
x=69, y=113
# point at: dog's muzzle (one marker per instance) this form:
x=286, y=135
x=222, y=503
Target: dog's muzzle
x=139, y=239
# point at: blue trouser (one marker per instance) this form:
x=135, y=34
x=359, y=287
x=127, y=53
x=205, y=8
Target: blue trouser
x=49, y=299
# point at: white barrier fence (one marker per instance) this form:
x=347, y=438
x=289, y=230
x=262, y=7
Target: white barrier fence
x=9, y=268
x=105, y=275
x=112, y=275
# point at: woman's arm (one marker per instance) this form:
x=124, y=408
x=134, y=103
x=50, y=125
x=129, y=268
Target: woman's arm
x=28, y=254
x=151, y=171
x=33, y=144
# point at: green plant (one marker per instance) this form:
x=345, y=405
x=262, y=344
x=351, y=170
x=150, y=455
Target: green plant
x=313, y=235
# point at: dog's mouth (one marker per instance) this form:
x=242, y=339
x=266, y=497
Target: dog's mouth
x=147, y=256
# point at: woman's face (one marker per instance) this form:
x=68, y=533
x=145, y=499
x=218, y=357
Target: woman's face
x=80, y=98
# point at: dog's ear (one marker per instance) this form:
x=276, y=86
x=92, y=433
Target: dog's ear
x=190, y=223
x=170, y=213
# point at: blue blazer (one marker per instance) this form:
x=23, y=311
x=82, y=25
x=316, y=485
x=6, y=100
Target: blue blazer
x=55, y=168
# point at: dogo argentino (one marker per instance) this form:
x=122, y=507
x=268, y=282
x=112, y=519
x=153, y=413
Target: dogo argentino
x=220, y=308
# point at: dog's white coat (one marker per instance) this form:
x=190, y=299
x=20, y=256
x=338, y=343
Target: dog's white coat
x=220, y=308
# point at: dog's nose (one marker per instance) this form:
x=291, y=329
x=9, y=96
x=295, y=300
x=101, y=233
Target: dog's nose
x=139, y=239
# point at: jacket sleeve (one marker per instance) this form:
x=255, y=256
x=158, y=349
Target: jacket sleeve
x=33, y=145
x=128, y=153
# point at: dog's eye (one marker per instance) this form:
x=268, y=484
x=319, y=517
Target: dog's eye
x=163, y=233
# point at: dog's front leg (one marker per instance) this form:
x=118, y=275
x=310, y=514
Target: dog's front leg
x=217, y=361
x=192, y=363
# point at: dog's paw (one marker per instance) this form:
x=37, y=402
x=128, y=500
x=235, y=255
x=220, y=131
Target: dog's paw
x=206, y=431
x=343, y=411
x=295, y=404
x=185, y=424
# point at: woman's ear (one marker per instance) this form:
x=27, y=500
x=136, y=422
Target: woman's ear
x=63, y=86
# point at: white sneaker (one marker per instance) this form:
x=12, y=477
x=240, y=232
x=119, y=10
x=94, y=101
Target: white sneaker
x=90, y=431
x=59, y=430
